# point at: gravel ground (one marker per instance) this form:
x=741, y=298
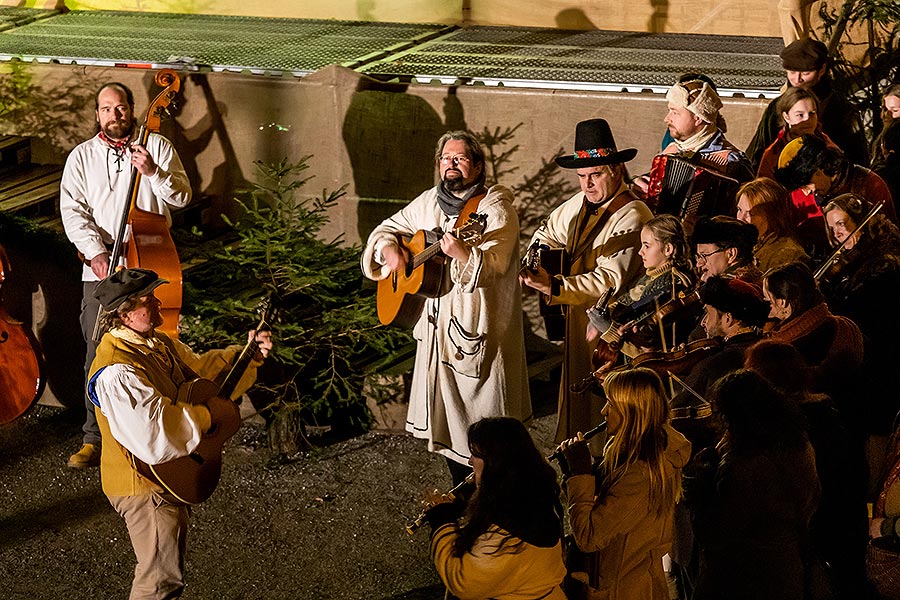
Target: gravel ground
x=327, y=525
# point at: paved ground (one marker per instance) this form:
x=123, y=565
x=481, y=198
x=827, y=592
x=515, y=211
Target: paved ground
x=327, y=525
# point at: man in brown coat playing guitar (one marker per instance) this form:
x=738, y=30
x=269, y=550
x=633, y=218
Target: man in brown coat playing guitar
x=142, y=383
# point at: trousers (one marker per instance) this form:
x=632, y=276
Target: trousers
x=158, y=532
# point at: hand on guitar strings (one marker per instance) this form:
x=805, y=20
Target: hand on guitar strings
x=454, y=248
x=395, y=257
x=263, y=343
x=538, y=280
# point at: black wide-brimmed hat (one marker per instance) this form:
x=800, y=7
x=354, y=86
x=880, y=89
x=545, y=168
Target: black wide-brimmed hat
x=125, y=284
x=594, y=146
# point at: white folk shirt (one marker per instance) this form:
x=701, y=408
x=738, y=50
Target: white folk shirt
x=153, y=427
x=94, y=187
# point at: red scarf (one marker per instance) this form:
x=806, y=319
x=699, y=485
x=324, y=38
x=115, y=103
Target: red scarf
x=118, y=145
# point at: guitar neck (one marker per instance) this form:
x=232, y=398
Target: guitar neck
x=237, y=371
x=246, y=356
x=429, y=252
x=426, y=254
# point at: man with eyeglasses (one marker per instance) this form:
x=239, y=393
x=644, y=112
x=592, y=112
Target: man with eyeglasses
x=724, y=246
x=92, y=196
x=470, y=357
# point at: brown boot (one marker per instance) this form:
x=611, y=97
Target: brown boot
x=88, y=456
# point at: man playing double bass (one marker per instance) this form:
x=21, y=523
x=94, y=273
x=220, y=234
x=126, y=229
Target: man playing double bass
x=93, y=193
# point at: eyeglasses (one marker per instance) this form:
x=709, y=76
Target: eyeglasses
x=459, y=159
x=703, y=257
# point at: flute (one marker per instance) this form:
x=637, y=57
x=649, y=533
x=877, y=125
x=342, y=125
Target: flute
x=557, y=454
x=450, y=496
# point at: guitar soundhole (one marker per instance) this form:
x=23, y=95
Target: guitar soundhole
x=196, y=458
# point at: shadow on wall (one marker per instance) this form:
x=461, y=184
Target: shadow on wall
x=657, y=22
x=390, y=136
x=574, y=18
x=227, y=177
x=45, y=264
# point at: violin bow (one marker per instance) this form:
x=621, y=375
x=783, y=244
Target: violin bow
x=688, y=388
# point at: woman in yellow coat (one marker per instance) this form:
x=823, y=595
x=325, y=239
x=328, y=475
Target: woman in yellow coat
x=622, y=513
x=507, y=544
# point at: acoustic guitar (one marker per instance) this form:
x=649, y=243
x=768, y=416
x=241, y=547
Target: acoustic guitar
x=401, y=296
x=193, y=478
x=556, y=262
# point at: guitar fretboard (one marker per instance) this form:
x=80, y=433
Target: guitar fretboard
x=426, y=254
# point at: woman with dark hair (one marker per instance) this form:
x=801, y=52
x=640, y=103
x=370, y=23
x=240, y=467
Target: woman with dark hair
x=508, y=542
x=623, y=513
x=667, y=271
x=890, y=112
x=838, y=528
x=799, y=110
x=888, y=150
x=831, y=345
x=862, y=282
x=764, y=203
x=754, y=495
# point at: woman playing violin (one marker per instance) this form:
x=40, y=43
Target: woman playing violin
x=667, y=271
x=862, y=286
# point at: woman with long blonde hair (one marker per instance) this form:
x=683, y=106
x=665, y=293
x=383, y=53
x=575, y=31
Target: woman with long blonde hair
x=622, y=513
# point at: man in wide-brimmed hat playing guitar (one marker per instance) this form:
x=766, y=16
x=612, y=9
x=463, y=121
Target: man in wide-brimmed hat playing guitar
x=599, y=227
x=153, y=409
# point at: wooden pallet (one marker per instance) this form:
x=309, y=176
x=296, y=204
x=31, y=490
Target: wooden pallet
x=26, y=189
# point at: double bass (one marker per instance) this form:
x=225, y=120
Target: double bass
x=21, y=360
x=150, y=244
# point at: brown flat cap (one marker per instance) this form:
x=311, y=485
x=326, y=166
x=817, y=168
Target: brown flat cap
x=804, y=55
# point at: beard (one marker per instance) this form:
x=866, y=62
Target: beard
x=454, y=184
x=118, y=130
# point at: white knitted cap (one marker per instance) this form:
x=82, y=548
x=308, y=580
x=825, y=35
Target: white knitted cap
x=705, y=104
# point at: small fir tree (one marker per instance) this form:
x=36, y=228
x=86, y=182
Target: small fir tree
x=328, y=338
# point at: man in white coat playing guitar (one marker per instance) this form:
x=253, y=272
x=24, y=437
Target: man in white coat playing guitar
x=470, y=359
x=140, y=381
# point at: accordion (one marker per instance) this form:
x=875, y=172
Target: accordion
x=688, y=189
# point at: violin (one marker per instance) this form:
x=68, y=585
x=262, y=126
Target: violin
x=21, y=360
x=150, y=245
x=833, y=265
x=608, y=350
x=679, y=362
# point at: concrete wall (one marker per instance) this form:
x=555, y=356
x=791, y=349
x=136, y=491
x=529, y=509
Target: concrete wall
x=375, y=138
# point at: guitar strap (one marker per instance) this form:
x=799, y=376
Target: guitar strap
x=469, y=209
x=585, y=239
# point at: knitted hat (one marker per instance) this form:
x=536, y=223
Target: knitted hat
x=698, y=97
x=594, y=146
x=744, y=301
x=804, y=55
x=113, y=291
